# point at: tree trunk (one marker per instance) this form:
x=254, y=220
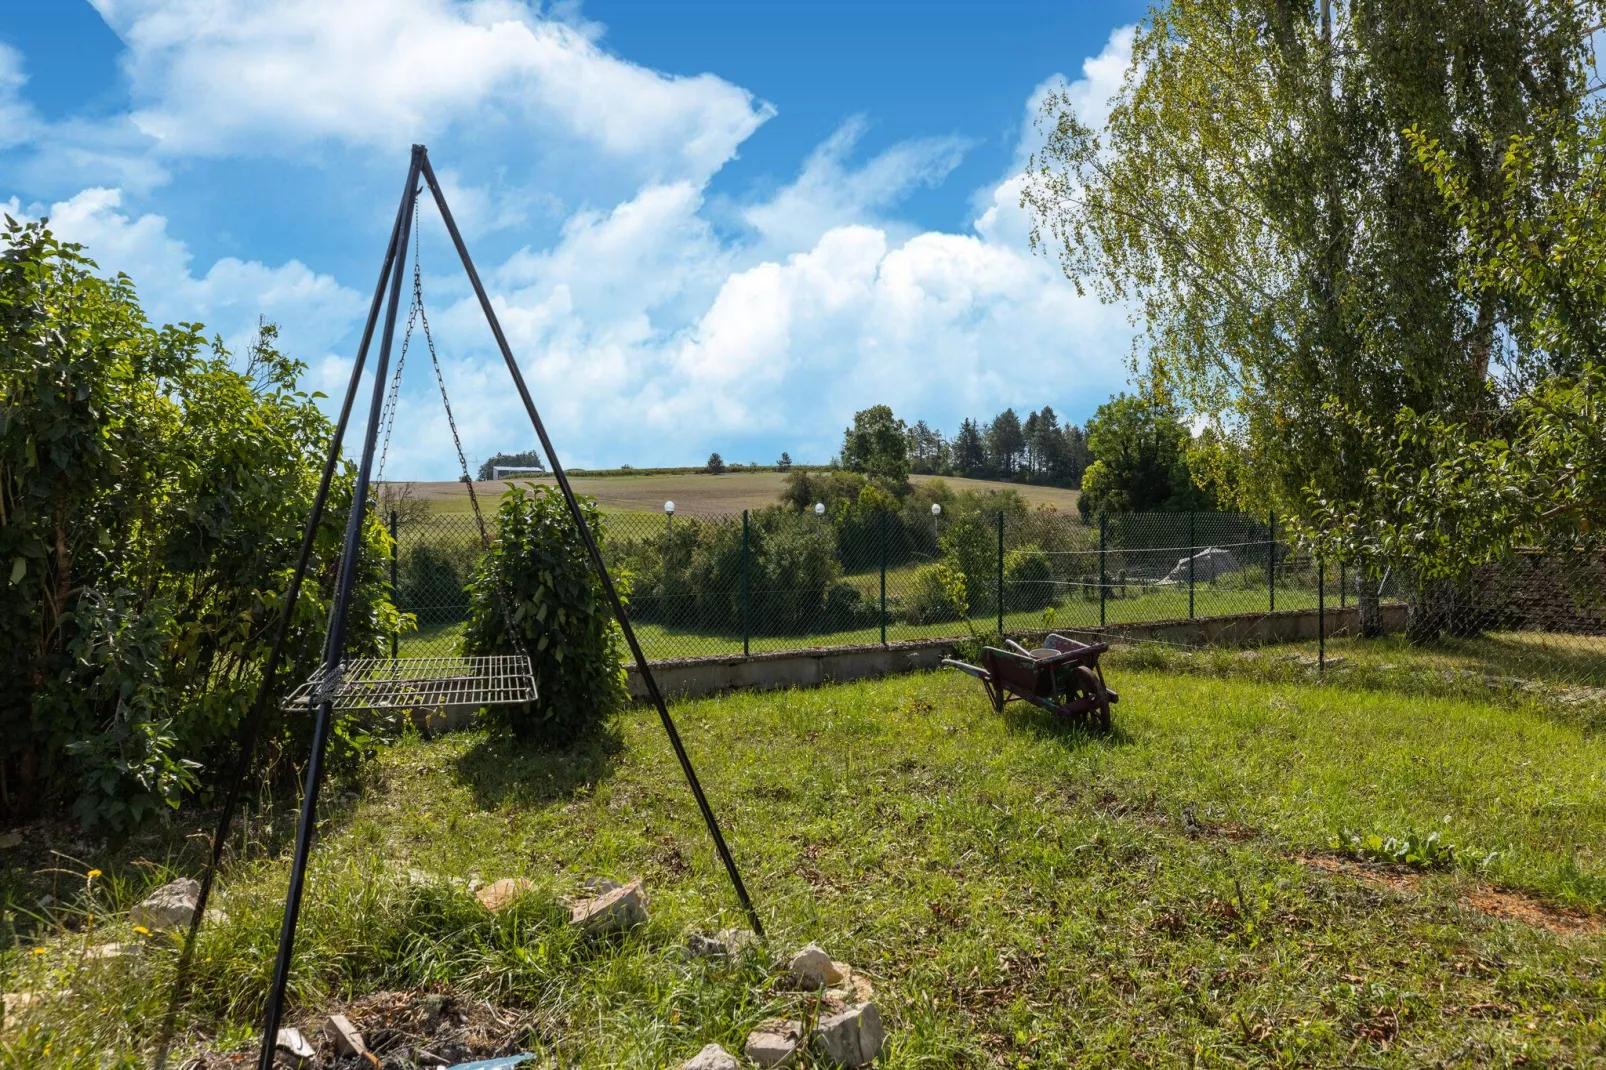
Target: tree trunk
x=1370, y=610
x=1442, y=607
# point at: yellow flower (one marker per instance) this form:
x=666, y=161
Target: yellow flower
x=142, y=930
x=41, y=951
x=94, y=873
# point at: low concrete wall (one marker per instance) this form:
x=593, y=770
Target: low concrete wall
x=690, y=677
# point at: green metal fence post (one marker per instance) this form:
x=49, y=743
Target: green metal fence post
x=393, y=587
x=883, y=577
x=1000, y=572
x=1321, y=614
x=1103, y=586
x=1271, y=560
x=747, y=628
x=1191, y=515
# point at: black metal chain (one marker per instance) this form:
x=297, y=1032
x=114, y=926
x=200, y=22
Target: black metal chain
x=513, y=630
x=387, y=417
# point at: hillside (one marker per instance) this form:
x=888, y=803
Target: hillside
x=700, y=494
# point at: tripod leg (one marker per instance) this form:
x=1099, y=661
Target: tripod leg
x=334, y=648
x=596, y=555
x=252, y=730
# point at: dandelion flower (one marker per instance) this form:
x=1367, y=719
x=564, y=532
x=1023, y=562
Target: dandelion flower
x=94, y=873
x=142, y=930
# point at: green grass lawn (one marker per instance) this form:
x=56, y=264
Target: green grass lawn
x=1021, y=893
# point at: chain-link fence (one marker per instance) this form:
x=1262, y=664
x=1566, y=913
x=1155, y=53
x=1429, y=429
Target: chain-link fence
x=775, y=579
x=778, y=579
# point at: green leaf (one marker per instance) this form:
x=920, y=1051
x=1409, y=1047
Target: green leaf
x=19, y=569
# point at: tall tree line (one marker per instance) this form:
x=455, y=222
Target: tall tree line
x=1038, y=449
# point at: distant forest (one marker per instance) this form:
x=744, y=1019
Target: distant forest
x=1038, y=449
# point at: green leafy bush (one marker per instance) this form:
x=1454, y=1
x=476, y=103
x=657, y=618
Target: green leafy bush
x=539, y=573
x=152, y=500
x=936, y=594
x=431, y=577
x=1028, y=579
x=691, y=575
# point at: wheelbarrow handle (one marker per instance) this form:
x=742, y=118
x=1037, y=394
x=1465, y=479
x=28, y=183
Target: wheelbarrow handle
x=973, y=670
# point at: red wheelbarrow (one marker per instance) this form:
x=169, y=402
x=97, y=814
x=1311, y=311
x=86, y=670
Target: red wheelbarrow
x=1062, y=676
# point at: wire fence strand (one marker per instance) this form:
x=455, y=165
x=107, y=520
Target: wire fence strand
x=708, y=585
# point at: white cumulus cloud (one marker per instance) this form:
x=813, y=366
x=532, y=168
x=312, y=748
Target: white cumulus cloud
x=240, y=76
x=312, y=309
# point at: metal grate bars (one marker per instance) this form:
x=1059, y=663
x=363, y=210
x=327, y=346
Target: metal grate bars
x=422, y=683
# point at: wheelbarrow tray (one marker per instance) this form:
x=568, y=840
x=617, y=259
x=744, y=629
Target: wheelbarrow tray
x=1063, y=678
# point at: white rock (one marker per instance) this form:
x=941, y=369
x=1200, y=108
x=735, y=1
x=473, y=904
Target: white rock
x=498, y=895
x=595, y=886
x=852, y=1038
x=12, y=1003
x=110, y=951
x=853, y=988
x=712, y=1057
x=291, y=1044
x=702, y=946
x=348, y=1041
x=622, y=908
x=774, y=1042
x=737, y=941
x=169, y=907
x=813, y=968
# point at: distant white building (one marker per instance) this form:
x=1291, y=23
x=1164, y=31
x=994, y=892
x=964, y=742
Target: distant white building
x=1208, y=565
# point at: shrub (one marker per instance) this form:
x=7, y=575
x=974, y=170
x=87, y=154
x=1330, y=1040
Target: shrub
x=937, y=594
x=1028, y=579
x=539, y=573
x=432, y=579
x=691, y=576
x=154, y=499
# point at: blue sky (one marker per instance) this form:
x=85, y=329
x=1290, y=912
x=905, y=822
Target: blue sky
x=708, y=225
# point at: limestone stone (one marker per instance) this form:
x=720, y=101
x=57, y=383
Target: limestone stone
x=623, y=908
x=347, y=1040
x=853, y=1037
x=294, y=1047
x=712, y=1057
x=703, y=946
x=737, y=941
x=813, y=968
x=12, y=1004
x=169, y=907
x=774, y=1042
x=499, y=895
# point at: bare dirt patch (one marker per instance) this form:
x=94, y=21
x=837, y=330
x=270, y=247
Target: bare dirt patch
x=1513, y=906
x=1495, y=902
x=1393, y=878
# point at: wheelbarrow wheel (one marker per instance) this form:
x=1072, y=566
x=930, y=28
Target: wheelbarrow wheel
x=1092, y=687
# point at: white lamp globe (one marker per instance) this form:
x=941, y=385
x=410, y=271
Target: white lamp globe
x=819, y=508
x=936, y=508
x=669, y=507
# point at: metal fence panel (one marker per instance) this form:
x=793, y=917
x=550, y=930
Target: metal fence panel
x=775, y=579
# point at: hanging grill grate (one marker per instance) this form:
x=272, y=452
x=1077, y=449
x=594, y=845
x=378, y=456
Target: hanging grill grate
x=422, y=683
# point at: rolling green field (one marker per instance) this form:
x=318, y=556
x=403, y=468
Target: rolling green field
x=1021, y=893
x=699, y=494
